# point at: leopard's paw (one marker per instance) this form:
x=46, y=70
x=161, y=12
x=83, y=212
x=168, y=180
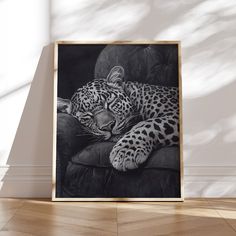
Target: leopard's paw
x=128, y=155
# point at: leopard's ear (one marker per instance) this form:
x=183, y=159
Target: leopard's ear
x=63, y=105
x=115, y=77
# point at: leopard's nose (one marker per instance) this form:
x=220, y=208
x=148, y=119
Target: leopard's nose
x=105, y=120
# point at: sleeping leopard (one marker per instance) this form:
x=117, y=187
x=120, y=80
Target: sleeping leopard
x=144, y=117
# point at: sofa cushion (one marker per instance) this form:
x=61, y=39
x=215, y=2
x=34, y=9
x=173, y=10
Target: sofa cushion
x=97, y=155
x=94, y=155
x=70, y=135
x=90, y=174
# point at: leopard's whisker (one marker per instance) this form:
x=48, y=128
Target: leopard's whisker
x=94, y=139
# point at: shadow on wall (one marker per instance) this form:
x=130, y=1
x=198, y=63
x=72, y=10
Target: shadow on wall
x=31, y=152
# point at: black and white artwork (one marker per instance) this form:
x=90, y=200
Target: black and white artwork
x=117, y=123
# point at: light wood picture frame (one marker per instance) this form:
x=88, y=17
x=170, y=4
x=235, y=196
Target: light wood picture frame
x=117, y=131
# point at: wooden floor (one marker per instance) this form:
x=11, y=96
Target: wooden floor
x=193, y=217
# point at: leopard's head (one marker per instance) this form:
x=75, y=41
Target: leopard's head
x=103, y=106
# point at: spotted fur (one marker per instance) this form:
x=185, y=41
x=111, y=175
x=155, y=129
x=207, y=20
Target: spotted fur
x=119, y=105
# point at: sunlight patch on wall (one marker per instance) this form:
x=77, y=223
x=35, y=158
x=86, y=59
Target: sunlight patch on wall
x=212, y=190
x=89, y=20
x=230, y=126
x=203, y=137
x=25, y=29
x=208, y=38
x=225, y=128
x=211, y=144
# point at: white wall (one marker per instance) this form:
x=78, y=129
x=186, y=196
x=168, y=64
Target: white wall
x=207, y=31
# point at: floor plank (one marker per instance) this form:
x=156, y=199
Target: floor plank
x=47, y=218
x=8, y=208
x=195, y=217
x=226, y=208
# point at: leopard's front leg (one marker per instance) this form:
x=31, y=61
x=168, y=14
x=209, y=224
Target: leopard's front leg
x=136, y=145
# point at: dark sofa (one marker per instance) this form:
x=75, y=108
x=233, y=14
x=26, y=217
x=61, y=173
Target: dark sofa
x=84, y=170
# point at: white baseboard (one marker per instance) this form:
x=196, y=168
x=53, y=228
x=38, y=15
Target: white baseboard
x=35, y=181
x=210, y=181
x=25, y=181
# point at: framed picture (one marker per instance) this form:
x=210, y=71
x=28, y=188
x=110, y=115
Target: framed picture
x=117, y=121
